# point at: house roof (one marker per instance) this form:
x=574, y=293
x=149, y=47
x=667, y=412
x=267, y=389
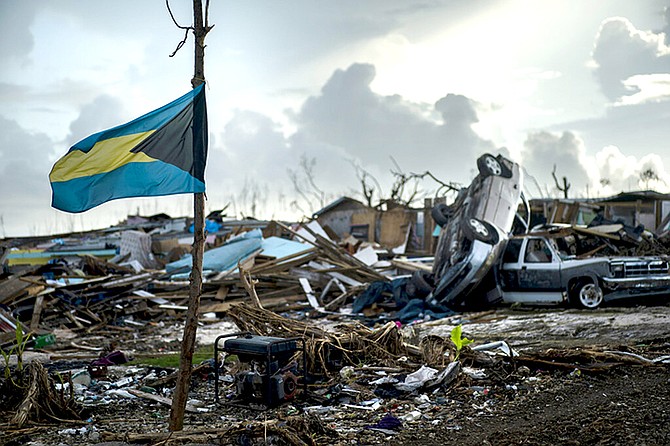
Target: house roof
x=647, y=195
x=340, y=201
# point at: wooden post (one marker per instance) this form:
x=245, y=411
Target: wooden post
x=195, y=290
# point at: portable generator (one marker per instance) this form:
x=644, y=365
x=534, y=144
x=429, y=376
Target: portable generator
x=271, y=377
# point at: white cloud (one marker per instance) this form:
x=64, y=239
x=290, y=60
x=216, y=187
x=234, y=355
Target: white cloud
x=614, y=166
x=24, y=157
x=606, y=173
x=16, y=16
x=371, y=128
x=619, y=172
x=24, y=163
x=646, y=88
x=666, y=28
x=103, y=113
x=437, y=84
x=345, y=126
x=621, y=52
x=545, y=151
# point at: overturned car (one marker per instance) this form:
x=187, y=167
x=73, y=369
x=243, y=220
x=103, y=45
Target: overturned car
x=474, y=230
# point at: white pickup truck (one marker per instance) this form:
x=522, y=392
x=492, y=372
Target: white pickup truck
x=532, y=270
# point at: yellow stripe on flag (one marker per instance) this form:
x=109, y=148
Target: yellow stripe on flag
x=103, y=157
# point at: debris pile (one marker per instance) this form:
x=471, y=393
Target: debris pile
x=95, y=299
x=440, y=383
x=606, y=238
x=64, y=283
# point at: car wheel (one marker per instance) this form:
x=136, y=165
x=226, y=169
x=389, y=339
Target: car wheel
x=440, y=214
x=423, y=281
x=489, y=165
x=587, y=295
x=476, y=229
x=411, y=290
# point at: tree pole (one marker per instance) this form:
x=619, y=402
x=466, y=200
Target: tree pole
x=180, y=397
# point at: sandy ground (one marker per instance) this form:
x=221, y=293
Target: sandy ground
x=531, y=328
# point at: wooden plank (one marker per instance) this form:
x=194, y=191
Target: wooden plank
x=412, y=266
x=596, y=233
x=14, y=287
x=37, y=312
x=394, y=226
x=222, y=292
x=368, y=218
x=285, y=263
x=74, y=320
x=222, y=307
x=159, y=399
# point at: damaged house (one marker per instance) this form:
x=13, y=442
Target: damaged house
x=648, y=208
x=399, y=228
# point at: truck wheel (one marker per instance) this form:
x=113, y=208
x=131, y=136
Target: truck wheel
x=440, y=214
x=476, y=229
x=489, y=165
x=587, y=295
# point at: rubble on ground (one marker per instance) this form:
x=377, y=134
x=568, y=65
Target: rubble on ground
x=92, y=301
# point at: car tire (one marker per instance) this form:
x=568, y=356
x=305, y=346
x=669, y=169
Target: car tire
x=587, y=295
x=476, y=229
x=489, y=165
x=411, y=290
x=423, y=281
x=440, y=214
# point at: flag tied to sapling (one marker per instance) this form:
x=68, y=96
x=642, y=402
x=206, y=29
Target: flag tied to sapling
x=161, y=153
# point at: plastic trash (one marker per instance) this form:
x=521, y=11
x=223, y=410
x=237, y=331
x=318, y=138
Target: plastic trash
x=417, y=379
x=388, y=422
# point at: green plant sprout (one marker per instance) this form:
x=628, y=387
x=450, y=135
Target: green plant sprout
x=17, y=349
x=458, y=340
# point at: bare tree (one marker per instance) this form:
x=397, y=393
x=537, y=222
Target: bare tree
x=405, y=190
x=604, y=182
x=252, y=199
x=368, y=191
x=405, y=187
x=305, y=185
x=566, y=185
x=369, y=185
x=647, y=175
x=444, y=188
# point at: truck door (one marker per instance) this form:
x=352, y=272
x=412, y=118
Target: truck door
x=511, y=262
x=540, y=267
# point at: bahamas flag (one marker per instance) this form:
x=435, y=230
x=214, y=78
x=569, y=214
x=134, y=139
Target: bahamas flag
x=161, y=153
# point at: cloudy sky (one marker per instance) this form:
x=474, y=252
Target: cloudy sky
x=327, y=90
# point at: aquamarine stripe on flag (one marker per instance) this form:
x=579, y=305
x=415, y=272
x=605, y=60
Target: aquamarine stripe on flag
x=131, y=180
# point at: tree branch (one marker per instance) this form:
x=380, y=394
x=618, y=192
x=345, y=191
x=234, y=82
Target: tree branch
x=249, y=284
x=185, y=28
x=566, y=185
x=451, y=187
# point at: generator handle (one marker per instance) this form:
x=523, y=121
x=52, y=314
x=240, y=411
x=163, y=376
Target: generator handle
x=216, y=360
